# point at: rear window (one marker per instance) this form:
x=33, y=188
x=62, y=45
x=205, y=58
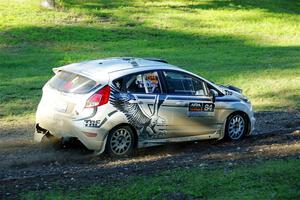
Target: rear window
x=71, y=83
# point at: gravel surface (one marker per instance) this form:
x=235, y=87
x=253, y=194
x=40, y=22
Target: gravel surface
x=28, y=166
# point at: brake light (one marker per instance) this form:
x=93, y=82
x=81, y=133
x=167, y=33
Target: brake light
x=100, y=98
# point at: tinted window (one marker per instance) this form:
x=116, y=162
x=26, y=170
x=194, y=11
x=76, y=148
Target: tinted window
x=71, y=83
x=139, y=83
x=119, y=83
x=183, y=84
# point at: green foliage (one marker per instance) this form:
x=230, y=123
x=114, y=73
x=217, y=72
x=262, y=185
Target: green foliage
x=265, y=180
x=251, y=44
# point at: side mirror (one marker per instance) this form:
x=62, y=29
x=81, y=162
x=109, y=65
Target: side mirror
x=213, y=93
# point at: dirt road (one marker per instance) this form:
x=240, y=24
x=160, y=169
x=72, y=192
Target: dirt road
x=28, y=166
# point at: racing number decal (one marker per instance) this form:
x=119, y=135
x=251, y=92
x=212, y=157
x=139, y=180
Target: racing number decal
x=201, y=107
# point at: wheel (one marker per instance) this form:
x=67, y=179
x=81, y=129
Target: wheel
x=236, y=127
x=120, y=142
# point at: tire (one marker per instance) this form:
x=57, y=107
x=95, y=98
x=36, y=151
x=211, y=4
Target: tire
x=236, y=127
x=120, y=142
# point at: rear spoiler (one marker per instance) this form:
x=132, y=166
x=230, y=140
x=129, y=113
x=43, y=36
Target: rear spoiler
x=156, y=59
x=55, y=70
x=81, y=73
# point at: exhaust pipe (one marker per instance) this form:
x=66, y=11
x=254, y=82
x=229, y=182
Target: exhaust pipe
x=44, y=136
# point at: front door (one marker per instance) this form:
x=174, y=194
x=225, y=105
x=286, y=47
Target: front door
x=189, y=108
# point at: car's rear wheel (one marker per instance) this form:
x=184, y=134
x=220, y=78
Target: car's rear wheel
x=120, y=142
x=236, y=126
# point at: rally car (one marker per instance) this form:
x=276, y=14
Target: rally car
x=118, y=104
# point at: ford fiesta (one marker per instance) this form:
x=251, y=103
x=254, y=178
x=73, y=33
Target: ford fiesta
x=118, y=104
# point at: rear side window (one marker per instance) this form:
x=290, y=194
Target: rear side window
x=71, y=83
x=147, y=82
x=183, y=84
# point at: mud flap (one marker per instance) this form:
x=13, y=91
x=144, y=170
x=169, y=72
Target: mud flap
x=100, y=151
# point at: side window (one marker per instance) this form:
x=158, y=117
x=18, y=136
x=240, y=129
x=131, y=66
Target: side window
x=119, y=83
x=140, y=83
x=183, y=84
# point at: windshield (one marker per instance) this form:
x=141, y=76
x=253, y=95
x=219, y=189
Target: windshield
x=71, y=83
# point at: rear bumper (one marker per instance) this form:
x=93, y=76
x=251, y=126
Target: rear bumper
x=62, y=126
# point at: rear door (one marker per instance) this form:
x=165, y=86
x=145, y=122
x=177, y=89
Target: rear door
x=189, y=107
x=141, y=104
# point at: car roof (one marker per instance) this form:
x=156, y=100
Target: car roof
x=96, y=68
x=103, y=70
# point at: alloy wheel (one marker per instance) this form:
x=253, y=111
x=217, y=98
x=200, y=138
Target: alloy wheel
x=121, y=141
x=236, y=127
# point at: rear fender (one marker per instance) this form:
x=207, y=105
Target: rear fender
x=112, y=121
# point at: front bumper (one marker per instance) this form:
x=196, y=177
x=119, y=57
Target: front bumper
x=252, y=127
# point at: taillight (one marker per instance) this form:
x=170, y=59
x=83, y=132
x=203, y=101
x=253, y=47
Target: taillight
x=100, y=98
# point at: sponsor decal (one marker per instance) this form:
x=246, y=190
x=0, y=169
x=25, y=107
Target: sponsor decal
x=227, y=92
x=201, y=107
x=92, y=123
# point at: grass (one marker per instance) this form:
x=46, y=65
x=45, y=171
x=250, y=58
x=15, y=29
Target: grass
x=254, y=45
x=263, y=180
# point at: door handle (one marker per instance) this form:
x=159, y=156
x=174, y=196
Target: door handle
x=135, y=101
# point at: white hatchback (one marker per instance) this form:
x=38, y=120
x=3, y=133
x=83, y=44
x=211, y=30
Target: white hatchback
x=117, y=104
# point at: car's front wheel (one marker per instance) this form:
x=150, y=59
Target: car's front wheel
x=236, y=126
x=120, y=142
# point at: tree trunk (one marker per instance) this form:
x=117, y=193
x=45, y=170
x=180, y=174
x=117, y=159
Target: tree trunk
x=48, y=4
